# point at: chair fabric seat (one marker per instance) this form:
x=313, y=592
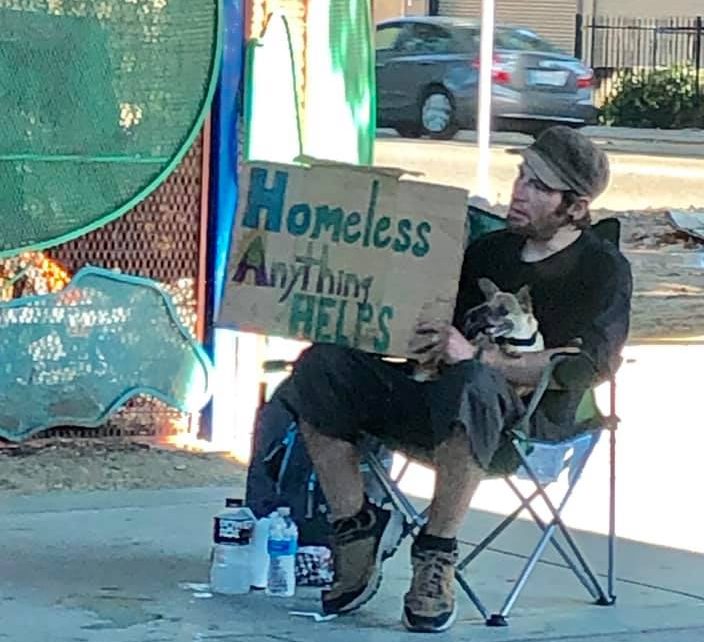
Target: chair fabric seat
x=550, y=459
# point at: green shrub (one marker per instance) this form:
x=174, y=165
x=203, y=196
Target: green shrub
x=662, y=99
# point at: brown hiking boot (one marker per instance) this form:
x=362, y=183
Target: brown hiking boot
x=360, y=545
x=430, y=607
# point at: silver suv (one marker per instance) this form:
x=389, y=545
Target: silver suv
x=427, y=73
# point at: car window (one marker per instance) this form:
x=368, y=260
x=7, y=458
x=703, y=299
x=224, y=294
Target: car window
x=387, y=36
x=523, y=40
x=468, y=39
x=424, y=38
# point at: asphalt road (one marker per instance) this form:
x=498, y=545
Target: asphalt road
x=647, y=172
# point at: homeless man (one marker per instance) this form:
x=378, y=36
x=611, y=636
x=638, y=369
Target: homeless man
x=580, y=287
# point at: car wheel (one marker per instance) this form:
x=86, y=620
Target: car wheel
x=408, y=131
x=437, y=114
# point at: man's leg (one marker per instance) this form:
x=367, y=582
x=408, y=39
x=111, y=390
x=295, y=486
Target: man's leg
x=457, y=476
x=364, y=535
x=484, y=404
x=337, y=464
x=336, y=393
x=430, y=604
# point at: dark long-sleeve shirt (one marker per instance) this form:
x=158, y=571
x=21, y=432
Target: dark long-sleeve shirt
x=582, y=292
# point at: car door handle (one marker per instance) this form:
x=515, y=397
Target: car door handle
x=425, y=63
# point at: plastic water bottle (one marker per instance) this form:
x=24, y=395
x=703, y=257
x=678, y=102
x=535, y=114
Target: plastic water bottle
x=260, y=560
x=283, y=543
x=231, y=565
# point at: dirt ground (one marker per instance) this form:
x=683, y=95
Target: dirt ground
x=105, y=464
x=667, y=272
x=667, y=304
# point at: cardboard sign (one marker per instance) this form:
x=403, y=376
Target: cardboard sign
x=342, y=254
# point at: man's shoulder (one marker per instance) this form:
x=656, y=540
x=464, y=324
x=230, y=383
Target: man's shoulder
x=606, y=253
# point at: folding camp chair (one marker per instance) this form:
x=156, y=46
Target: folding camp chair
x=542, y=463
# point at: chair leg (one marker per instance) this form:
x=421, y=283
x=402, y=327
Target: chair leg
x=557, y=522
x=601, y=598
x=612, y=539
x=525, y=505
x=526, y=572
x=586, y=577
x=558, y=547
x=548, y=535
x=613, y=426
x=473, y=597
x=486, y=542
x=549, y=531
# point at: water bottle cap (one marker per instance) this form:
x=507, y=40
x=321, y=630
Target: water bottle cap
x=284, y=511
x=231, y=502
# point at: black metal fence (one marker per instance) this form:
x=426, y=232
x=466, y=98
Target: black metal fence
x=611, y=45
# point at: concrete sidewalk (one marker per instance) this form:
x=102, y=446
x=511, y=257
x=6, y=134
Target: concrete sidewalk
x=113, y=566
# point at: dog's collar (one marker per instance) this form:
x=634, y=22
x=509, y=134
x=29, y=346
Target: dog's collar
x=519, y=343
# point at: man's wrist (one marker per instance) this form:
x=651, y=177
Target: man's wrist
x=486, y=357
x=471, y=352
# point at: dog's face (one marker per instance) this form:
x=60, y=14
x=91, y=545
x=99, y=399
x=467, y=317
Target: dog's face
x=508, y=315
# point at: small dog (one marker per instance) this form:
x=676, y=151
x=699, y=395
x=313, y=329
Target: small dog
x=505, y=319
x=512, y=324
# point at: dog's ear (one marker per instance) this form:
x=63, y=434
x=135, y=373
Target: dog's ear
x=488, y=288
x=524, y=299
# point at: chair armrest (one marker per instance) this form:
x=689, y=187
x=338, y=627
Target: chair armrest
x=521, y=431
x=580, y=371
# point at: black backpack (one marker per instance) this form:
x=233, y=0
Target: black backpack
x=281, y=474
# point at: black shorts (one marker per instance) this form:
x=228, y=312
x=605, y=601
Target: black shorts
x=347, y=394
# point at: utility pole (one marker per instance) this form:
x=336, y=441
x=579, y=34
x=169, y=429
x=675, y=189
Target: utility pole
x=486, y=68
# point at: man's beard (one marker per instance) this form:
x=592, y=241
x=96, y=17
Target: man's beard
x=546, y=230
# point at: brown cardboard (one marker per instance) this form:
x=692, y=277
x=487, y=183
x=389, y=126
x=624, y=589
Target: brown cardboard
x=340, y=253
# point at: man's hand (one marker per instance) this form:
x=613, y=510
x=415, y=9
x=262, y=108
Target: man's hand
x=458, y=348
x=429, y=342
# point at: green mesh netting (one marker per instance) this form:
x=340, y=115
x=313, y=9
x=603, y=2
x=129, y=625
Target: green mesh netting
x=340, y=101
x=352, y=54
x=100, y=99
x=75, y=357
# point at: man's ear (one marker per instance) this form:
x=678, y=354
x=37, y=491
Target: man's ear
x=488, y=288
x=579, y=210
x=525, y=300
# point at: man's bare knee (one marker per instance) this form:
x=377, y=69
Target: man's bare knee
x=456, y=446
